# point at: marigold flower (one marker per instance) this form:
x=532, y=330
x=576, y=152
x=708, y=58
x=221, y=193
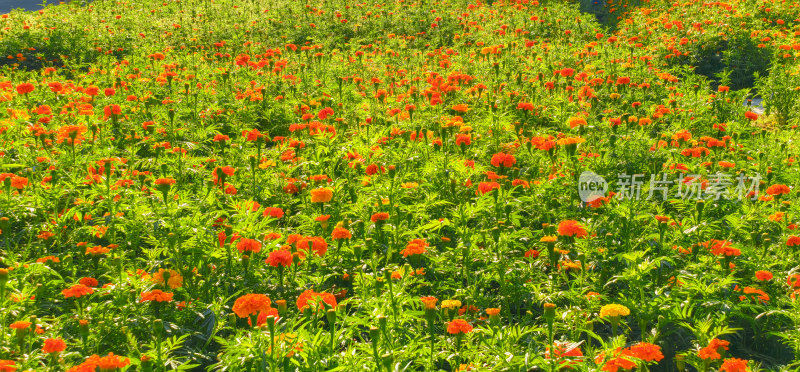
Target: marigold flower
x=321, y=195
x=89, y=282
x=311, y=299
x=793, y=241
x=571, y=228
x=54, y=345
x=503, y=159
x=459, y=326
x=156, y=295
x=778, y=189
x=380, y=216
x=248, y=245
x=174, y=278
x=416, y=246
x=763, y=275
x=451, y=304
x=77, y=291
x=712, y=350
x=734, y=365
x=7, y=366
x=20, y=324
x=25, y=88
x=614, y=310
x=112, y=362
x=280, y=258
x=646, y=352
x=460, y=108
x=429, y=302
x=273, y=212
x=341, y=233
x=251, y=304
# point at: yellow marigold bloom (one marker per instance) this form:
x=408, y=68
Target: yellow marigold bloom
x=549, y=239
x=570, y=141
x=321, y=195
x=409, y=185
x=614, y=310
x=451, y=304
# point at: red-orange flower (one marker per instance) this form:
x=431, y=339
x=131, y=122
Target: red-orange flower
x=416, y=246
x=77, y=291
x=248, y=245
x=503, y=159
x=54, y=345
x=712, y=350
x=273, y=212
x=778, y=190
x=459, y=326
x=25, y=88
x=251, y=304
x=341, y=233
x=156, y=295
x=380, y=216
x=311, y=299
x=279, y=258
x=763, y=275
x=571, y=228
x=734, y=365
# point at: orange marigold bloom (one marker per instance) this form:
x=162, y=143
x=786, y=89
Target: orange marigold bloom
x=54, y=345
x=111, y=362
x=429, y=302
x=485, y=187
x=18, y=182
x=571, y=228
x=262, y=317
x=793, y=241
x=273, y=212
x=156, y=295
x=503, y=159
x=174, y=278
x=646, y=352
x=778, y=190
x=251, y=304
x=280, y=258
x=380, y=216
x=712, y=350
x=97, y=250
x=321, y=195
x=341, y=233
x=576, y=122
x=165, y=182
x=89, y=282
x=314, y=300
x=20, y=324
x=763, y=275
x=734, y=365
x=25, y=88
x=416, y=246
x=459, y=326
x=248, y=245
x=77, y=291
x=7, y=366
x=460, y=108
x=751, y=115
x=315, y=243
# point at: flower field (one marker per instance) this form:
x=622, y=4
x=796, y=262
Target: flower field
x=429, y=185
